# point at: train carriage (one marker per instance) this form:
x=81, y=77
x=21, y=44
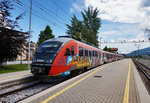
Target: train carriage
x=66, y=56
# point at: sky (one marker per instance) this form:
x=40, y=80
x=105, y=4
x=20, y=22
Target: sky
x=121, y=19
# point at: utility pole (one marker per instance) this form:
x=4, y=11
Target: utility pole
x=29, y=34
x=138, y=46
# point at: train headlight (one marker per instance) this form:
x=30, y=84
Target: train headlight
x=50, y=61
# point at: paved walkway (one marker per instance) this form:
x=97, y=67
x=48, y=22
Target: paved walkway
x=6, y=77
x=110, y=83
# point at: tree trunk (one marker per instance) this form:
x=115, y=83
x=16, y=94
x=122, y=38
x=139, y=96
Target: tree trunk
x=0, y=65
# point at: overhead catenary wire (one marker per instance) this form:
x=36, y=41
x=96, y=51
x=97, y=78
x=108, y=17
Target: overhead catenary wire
x=60, y=7
x=43, y=8
x=49, y=12
x=39, y=16
x=121, y=42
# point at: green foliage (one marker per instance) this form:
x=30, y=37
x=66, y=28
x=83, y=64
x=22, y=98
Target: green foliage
x=88, y=28
x=45, y=35
x=75, y=29
x=11, y=41
x=11, y=44
x=5, y=7
x=91, y=23
x=107, y=49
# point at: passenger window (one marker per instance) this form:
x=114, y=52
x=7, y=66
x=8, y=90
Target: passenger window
x=86, y=52
x=67, y=52
x=72, y=50
x=99, y=54
x=80, y=51
x=90, y=53
x=96, y=53
x=93, y=53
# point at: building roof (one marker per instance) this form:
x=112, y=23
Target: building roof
x=114, y=49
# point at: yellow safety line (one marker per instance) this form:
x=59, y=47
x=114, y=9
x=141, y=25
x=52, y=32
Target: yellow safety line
x=126, y=94
x=14, y=76
x=58, y=93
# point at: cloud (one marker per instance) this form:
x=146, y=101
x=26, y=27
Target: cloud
x=124, y=11
x=124, y=20
x=145, y=7
x=78, y=5
x=71, y=10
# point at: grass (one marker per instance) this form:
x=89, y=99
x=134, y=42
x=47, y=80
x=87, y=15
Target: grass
x=13, y=68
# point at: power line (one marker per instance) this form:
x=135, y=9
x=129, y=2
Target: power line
x=59, y=7
x=37, y=15
x=43, y=8
x=48, y=12
x=121, y=42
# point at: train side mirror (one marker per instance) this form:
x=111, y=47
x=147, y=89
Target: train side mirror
x=67, y=52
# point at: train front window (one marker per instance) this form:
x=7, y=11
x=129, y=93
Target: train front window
x=43, y=58
x=49, y=47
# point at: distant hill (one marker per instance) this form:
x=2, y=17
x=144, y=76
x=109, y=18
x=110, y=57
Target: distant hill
x=145, y=51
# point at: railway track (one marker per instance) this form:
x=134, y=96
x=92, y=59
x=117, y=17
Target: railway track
x=144, y=72
x=19, y=90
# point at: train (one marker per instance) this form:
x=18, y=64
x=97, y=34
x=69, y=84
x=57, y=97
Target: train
x=64, y=56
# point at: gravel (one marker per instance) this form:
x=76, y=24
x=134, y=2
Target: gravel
x=145, y=62
x=20, y=95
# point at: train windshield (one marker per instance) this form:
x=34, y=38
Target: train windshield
x=43, y=58
x=47, y=52
x=49, y=47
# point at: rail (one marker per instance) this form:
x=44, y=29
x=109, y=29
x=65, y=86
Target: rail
x=144, y=69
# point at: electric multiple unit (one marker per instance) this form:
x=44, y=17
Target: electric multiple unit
x=67, y=56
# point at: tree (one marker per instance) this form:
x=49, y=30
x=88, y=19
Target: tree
x=92, y=23
x=75, y=29
x=5, y=21
x=109, y=49
x=88, y=28
x=11, y=41
x=45, y=35
x=105, y=49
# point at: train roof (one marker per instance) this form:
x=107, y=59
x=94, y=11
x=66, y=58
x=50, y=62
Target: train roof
x=62, y=39
x=67, y=39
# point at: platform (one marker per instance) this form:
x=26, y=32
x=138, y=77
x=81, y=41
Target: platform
x=9, y=77
x=116, y=82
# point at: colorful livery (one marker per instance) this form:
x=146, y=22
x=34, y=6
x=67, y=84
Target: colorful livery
x=66, y=56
